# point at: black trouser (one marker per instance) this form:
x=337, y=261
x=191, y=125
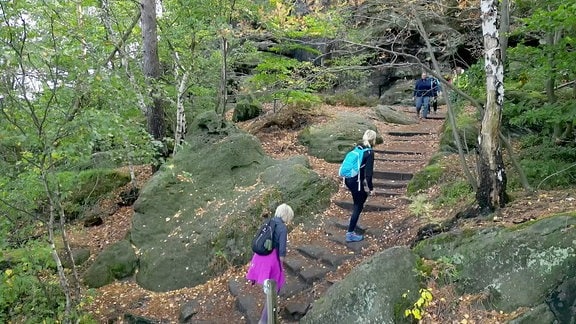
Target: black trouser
x=435, y=104
x=359, y=198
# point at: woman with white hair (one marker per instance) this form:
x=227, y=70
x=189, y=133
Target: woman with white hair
x=269, y=266
x=356, y=184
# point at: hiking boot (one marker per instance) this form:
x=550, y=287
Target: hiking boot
x=353, y=237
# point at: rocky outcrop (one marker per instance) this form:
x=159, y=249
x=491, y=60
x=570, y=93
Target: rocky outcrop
x=371, y=293
x=530, y=266
x=513, y=267
x=197, y=215
x=115, y=262
x=332, y=140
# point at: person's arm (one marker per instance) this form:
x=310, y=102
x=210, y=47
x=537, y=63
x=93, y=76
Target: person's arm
x=369, y=169
x=282, y=240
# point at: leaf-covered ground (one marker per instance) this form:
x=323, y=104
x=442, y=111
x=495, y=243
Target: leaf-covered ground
x=216, y=305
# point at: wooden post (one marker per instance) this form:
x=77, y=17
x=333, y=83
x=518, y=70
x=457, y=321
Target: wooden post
x=271, y=300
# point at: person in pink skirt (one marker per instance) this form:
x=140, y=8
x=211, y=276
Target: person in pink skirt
x=269, y=266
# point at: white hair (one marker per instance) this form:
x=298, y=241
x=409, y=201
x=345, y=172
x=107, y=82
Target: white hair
x=369, y=138
x=285, y=212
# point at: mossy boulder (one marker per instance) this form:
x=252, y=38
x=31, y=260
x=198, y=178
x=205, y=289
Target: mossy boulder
x=332, y=140
x=514, y=267
x=246, y=110
x=372, y=292
x=391, y=115
x=198, y=214
x=116, y=262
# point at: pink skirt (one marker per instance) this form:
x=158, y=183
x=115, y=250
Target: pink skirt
x=264, y=267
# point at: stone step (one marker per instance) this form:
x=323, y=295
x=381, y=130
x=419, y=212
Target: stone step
x=343, y=224
x=368, y=207
x=249, y=298
x=403, y=152
x=436, y=116
x=308, y=270
x=323, y=255
x=389, y=184
x=387, y=193
x=339, y=236
x=407, y=133
x=400, y=158
x=293, y=285
x=414, y=138
x=392, y=175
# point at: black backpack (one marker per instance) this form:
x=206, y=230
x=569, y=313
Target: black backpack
x=263, y=242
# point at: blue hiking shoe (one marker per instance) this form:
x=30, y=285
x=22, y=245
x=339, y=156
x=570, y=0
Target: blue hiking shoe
x=353, y=237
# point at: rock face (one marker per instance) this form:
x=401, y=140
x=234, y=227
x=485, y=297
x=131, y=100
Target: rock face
x=198, y=214
x=116, y=262
x=532, y=265
x=331, y=141
x=514, y=266
x=371, y=292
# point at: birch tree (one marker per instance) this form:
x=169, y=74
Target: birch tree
x=491, y=192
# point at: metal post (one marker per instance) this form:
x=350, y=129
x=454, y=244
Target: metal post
x=271, y=300
x=275, y=105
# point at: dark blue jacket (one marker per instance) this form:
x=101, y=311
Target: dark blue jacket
x=425, y=88
x=280, y=236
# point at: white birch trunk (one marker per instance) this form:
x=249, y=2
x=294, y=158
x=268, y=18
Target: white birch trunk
x=492, y=190
x=180, y=112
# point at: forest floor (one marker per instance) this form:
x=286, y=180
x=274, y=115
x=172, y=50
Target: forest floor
x=216, y=305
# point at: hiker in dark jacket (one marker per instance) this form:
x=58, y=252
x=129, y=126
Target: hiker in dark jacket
x=436, y=91
x=423, y=91
x=359, y=195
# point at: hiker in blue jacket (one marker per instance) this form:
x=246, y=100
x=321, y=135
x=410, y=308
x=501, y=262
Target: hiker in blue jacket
x=359, y=195
x=436, y=91
x=423, y=91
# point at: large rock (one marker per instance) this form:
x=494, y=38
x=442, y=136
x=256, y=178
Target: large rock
x=393, y=116
x=331, y=141
x=372, y=293
x=198, y=214
x=116, y=262
x=514, y=267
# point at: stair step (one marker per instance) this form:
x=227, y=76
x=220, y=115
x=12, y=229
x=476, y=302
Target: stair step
x=389, y=158
x=247, y=298
x=293, y=286
x=389, y=184
x=386, y=193
x=436, y=117
x=407, y=133
x=343, y=224
x=392, y=175
x=323, y=255
x=348, y=205
x=306, y=269
x=339, y=236
x=397, y=152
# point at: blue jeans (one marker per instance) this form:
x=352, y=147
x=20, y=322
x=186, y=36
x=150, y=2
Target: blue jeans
x=359, y=198
x=423, y=103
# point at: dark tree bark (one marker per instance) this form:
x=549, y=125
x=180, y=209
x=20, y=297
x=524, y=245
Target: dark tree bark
x=151, y=66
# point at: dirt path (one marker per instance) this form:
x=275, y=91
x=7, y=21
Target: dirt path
x=317, y=257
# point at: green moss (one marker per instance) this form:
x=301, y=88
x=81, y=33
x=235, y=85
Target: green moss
x=425, y=178
x=454, y=192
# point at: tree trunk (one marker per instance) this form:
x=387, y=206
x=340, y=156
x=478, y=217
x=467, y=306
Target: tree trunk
x=223, y=94
x=180, y=113
x=151, y=66
x=491, y=192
